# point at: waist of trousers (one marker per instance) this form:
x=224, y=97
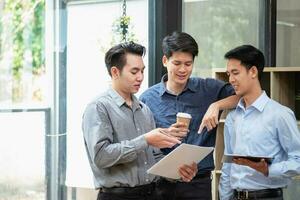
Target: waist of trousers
x=148, y=188
x=266, y=193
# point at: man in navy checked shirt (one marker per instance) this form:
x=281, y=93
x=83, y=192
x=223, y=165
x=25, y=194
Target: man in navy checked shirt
x=177, y=92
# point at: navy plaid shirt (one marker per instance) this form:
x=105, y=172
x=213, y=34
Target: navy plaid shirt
x=195, y=100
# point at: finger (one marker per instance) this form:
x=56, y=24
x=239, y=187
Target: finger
x=173, y=125
x=246, y=162
x=168, y=145
x=208, y=126
x=190, y=170
x=182, y=133
x=171, y=139
x=178, y=132
x=201, y=127
x=170, y=142
x=216, y=120
x=213, y=123
x=182, y=130
x=178, y=124
x=195, y=167
x=238, y=161
x=179, y=138
x=184, y=176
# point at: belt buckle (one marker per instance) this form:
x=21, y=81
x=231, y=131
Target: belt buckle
x=243, y=195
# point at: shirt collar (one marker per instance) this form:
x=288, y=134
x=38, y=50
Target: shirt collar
x=163, y=88
x=120, y=100
x=259, y=103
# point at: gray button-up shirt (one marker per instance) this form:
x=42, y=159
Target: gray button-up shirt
x=117, y=150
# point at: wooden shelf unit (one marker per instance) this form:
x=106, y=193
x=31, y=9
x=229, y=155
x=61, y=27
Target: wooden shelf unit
x=281, y=84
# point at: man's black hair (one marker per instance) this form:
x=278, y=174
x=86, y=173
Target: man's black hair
x=179, y=42
x=249, y=57
x=116, y=56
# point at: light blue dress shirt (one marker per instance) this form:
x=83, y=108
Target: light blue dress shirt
x=265, y=128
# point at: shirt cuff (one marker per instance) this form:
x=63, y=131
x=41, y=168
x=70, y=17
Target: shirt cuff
x=274, y=170
x=140, y=143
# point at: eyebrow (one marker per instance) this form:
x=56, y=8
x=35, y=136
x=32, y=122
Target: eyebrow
x=137, y=68
x=190, y=61
x=233, y=70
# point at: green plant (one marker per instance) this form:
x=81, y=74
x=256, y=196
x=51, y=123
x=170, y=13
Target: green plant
x=22, y=31
x=123, y=30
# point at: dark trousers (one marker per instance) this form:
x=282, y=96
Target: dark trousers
x=273, y=198
x=146, y=192
x=197, y=189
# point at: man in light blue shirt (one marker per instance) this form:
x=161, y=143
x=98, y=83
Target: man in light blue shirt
x=258, y=127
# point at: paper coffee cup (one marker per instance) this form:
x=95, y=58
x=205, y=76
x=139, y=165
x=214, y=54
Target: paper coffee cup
x=184, y=118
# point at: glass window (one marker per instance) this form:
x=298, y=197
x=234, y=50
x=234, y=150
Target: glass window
x=22, y=149
x=22, y=71
x=23, y=91
x=219, y=26
x=288, y=33
x=91, y=32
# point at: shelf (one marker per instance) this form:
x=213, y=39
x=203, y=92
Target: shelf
x=296, y=177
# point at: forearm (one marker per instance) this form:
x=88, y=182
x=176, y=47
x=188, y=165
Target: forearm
x=288, y=168
x=108, y=155
x=228, y=103
x=289, y=139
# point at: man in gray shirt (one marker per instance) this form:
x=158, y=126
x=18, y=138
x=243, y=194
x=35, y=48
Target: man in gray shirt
x=120, y=135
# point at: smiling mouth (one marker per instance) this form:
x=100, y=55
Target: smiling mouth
x=235, y=87
x=181, y=77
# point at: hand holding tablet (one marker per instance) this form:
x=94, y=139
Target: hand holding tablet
x=228, y=158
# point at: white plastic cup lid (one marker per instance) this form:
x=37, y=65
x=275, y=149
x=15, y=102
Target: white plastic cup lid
x=184, y=115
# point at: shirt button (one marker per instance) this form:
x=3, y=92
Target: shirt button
x=138, y=129
x=147, y=180
x=146, y=163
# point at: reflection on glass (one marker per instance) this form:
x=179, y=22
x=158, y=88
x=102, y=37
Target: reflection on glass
x=22, y=159
x=219, y=26
x=288, y=33
x=22, y=67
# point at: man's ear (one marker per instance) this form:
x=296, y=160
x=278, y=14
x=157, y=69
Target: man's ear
x=164, y=60
x=115, y=72
x=254, y=72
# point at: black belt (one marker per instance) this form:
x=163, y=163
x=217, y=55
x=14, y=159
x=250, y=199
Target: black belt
x=149, y=188
x=266, y=193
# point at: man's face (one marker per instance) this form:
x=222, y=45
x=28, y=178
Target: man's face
x=179, y=66
x=240, y=78
x=132, y=74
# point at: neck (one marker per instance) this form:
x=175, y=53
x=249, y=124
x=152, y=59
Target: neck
x=174, y=88
x=125, y=95
x=252, y=95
